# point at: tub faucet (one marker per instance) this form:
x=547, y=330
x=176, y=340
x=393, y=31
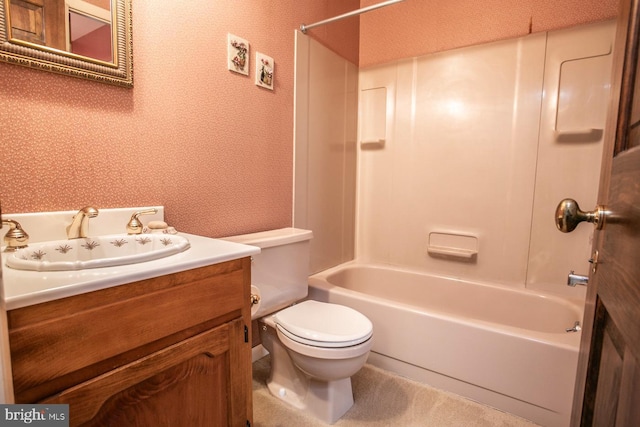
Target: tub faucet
x=79, y=227
x=577, y=279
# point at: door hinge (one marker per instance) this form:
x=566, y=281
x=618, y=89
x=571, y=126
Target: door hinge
x=248, y=423
x=594, y=261
x=246, y=335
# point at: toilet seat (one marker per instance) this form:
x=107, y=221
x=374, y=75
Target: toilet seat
x=325, y=325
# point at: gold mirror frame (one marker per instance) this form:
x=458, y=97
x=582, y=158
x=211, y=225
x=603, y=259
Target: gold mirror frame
x=119, y=73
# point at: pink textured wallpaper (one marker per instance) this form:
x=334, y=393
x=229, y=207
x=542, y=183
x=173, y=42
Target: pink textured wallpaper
x=417, y=27
x=207, y=143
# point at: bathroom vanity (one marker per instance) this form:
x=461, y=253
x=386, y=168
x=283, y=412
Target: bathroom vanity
x=164, y=342
x=149, y=350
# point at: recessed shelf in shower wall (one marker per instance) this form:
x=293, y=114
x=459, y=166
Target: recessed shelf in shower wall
x=373, y=107
x=581, y=106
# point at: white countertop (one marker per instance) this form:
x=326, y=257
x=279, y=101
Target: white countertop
x=23, y=288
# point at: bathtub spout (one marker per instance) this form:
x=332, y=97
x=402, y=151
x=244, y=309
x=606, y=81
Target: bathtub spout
x=576, y=327
x=577, y=279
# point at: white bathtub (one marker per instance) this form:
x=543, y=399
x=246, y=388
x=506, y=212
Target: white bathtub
x=502, y=347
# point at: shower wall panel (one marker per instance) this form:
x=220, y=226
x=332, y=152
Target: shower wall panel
x=459, y=159
x=325, y=153
x=467, y=154
x=574, y=106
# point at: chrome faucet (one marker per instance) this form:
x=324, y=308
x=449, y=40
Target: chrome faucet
x=577, y=279
x=79, y=227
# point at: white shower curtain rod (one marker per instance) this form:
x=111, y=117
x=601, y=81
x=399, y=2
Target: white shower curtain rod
x=304, y=28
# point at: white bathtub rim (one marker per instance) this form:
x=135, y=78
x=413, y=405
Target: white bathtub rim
x=576, y=302
x=566, y=340
x=570, y=341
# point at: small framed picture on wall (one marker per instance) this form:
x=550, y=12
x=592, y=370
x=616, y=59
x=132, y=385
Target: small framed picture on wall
x=237, y=54
x=264, y=70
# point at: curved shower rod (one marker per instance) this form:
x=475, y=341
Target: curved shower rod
x=304, y=27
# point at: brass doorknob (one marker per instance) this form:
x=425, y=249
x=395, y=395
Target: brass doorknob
x=569, y=215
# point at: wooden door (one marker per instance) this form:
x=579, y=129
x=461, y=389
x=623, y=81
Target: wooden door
x=38, y=21
x=608, y=381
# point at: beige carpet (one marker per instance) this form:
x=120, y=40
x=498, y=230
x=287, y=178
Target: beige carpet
x=382, y=399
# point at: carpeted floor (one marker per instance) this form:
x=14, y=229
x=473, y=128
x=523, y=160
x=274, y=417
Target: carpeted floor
x=382, y=399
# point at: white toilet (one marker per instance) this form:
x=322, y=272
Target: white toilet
x=315, y=347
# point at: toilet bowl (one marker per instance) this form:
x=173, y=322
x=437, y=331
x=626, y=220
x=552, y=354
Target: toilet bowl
x=315, y=348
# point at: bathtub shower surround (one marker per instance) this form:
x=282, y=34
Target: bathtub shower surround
x=462, y=158
x=483, y=142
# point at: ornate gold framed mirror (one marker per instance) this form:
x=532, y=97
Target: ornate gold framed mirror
x=89, y=39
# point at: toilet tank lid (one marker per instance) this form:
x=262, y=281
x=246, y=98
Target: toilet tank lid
x=266, y=239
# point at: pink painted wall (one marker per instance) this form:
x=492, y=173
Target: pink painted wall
x=417, y=27
x=207, y=143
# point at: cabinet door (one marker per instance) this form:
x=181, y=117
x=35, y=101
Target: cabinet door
x=191, y=383
x=59, y=344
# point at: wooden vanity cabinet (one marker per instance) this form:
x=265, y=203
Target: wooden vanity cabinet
x=167, y=351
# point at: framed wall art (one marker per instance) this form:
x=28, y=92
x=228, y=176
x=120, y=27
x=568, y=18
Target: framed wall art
x=264, y=71
x=237, y=54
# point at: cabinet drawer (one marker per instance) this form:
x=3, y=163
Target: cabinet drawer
x=60, y=343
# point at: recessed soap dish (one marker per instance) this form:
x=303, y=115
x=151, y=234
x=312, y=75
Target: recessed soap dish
x=453, y=245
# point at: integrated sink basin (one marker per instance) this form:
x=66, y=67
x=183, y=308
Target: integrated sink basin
x=95, y=252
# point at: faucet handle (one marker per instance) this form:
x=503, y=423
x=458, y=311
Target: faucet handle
x=16, y=237
x=135, y=226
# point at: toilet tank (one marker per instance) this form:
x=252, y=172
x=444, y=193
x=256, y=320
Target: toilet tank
x=280, y=270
